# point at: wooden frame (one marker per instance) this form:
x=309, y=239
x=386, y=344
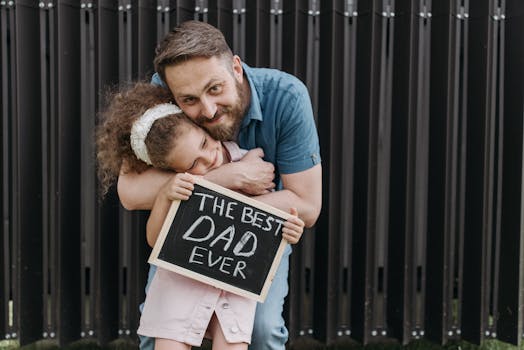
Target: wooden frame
x=170, y=233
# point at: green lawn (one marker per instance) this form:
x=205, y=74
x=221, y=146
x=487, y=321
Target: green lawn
x=299, y=345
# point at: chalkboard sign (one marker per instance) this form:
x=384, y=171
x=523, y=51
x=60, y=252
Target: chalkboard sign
x=224, y=239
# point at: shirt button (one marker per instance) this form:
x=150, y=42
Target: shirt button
x=234, y=329
x=225, y=306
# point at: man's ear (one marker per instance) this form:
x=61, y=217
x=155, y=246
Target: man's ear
x=237, y=69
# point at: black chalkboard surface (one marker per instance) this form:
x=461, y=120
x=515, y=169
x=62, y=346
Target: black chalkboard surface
x=224, y=239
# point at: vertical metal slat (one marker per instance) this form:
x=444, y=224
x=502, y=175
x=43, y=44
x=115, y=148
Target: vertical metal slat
x=417, y=172
x=276, y=34
x=239, y=28
x=116, y=301
x=493, y=139
x=447, y=175
x=379, y=163
x=7, y=49
x=339, y=90
x=303, y=325
x=477, y=237
x=26, y=162
x=257, y=27
x=146, y=39
x=509, y=325
x=88, y=219
x=131, y=224
x=48, y=109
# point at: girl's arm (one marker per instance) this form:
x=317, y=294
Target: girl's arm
x=179, y=187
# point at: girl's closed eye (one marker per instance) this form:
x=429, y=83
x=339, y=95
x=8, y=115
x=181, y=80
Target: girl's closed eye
x=193, y=166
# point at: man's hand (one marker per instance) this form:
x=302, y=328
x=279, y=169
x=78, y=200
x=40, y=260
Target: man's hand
x=251, y=175
x=257, y=175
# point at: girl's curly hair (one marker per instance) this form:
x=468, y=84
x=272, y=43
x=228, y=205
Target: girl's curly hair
x=113, y=146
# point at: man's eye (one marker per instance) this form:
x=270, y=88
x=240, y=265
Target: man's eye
x=188, y=100
x=215, y=89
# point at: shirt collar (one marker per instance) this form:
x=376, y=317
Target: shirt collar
x=254, y=111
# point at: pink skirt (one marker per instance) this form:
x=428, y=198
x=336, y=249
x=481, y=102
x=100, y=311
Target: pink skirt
x=180, y=308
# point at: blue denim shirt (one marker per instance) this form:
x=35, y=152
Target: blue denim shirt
x=279, y=120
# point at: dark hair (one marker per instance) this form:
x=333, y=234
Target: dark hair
x=114, y=152
x=189, y=40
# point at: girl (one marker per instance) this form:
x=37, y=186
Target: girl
x=140, y=128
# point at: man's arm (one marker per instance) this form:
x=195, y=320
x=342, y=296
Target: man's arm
x=139, y=191
x=302, y=190
x=250, y=175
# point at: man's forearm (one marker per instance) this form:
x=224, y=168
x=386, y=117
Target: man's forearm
x=252, y=177
x=308, y=208
x=302, y=190
x=138, y=191
x=286, y=199
x=223, y=176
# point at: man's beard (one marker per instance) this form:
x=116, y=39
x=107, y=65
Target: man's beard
x=236, y=113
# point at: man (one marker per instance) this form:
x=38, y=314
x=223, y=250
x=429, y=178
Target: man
x=264, y=110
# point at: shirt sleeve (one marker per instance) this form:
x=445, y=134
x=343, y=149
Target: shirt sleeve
x=298, y=146
x=156, y=80
x=235, y=152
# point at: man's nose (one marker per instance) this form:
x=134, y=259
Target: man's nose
x=208, y=109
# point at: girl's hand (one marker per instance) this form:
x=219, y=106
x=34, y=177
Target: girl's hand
x=293, y=228
x=179, y=187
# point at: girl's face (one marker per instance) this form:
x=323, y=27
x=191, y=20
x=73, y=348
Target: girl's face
x=195, y=152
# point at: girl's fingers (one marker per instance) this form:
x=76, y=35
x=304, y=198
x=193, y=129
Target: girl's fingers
x=290, y=227
x=181, y=197
x=292, y=231
x=185, y=191
x=186, y=185
x=184, y=180
x=180, y=193
x=295, y=220
x=186, y=177
x=294, y=223
x=180, y=187
x=291, y=235
x=290, y=239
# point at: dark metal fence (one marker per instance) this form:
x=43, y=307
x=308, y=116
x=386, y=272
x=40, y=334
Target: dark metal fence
x=420, y=109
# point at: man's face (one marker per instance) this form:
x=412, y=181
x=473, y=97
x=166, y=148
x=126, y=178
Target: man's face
x=209, y=93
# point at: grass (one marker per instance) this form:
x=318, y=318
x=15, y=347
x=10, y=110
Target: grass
x=300, y=344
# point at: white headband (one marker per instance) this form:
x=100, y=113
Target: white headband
x=143, y=124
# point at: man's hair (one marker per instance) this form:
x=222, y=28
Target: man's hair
x=189, y=40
